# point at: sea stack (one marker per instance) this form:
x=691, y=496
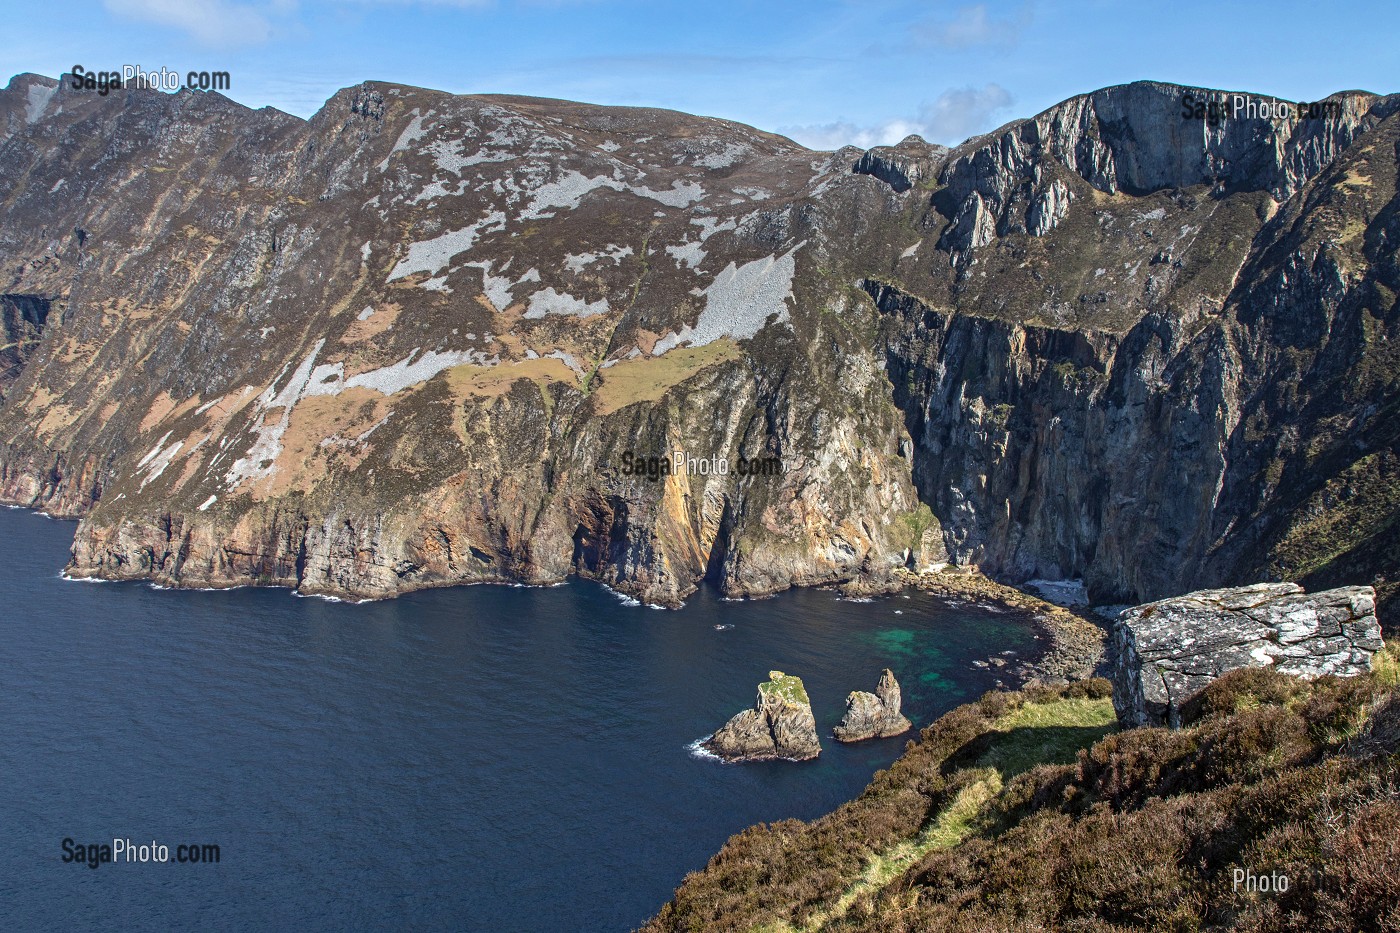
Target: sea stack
x=779, y=726
x=874, y=715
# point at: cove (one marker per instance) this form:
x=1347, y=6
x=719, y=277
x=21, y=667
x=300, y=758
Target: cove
x=481, y=758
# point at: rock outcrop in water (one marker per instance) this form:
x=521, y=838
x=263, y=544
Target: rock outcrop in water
x=1168, y=651
x=873, y=715
x=780, y=725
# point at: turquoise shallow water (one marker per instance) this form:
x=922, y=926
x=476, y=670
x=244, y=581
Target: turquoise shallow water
x=478, y=758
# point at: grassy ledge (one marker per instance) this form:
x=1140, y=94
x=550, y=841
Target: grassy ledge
x=786, y=687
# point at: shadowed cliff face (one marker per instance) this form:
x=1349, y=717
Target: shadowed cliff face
x=1188, y=385
x=423, y=339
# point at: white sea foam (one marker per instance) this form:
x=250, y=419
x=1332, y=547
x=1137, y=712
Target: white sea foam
x=65, y=575
x=330, y=599
x=697, y=749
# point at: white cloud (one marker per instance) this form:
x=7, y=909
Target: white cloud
x=952, y=117
x=213, y=22
x=971, y=26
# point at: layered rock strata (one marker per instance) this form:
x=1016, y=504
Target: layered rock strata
x=423, y=339
x=873, y=715
x=780, y=725
x=1168, y=651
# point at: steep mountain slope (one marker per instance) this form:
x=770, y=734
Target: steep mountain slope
x=423, y=339
x=1184, y=379
x=412, y=341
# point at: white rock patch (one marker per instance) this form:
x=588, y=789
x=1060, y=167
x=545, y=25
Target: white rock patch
x=709, y=226
x=550, y=301
x=688, y=254
x=328, y=379
x=723, y=158
x=37, y=99
x=269, y=440
x=411, y=134
x=162, y=461
x=432, y=255
x=154, y=451
x=739, y=302
x=568, y=360
x=575, y=262
x=571, y=187
x=410, y=372
x=498, y=288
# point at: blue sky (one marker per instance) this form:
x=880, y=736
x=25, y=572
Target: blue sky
x=826, y=72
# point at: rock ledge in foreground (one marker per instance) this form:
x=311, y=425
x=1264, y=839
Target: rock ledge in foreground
x=1168, y=651
x=780, y=725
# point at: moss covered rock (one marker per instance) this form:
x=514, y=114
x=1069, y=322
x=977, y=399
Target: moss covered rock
x=780, y=725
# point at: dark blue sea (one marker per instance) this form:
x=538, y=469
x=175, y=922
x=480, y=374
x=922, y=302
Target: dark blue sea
x=477, y=758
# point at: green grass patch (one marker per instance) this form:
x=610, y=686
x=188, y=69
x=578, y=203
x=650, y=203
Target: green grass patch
x=785, y=686
x=648, y=378
x=952, y=825
x=1386, y=665
x=1046, y=734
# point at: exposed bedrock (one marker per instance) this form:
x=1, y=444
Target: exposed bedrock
x=1170, y=412
x=1136, y=139
x=873, y=715
x=780, y=725
x=1168, y=651
x=424, y=339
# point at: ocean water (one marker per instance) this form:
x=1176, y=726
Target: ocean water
x=474, y=758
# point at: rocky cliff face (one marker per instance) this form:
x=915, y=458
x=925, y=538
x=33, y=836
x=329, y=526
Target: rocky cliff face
x=424, y=339
x=780, y=725
x=1180, y=381
x=874, y=715
x=1167, y=652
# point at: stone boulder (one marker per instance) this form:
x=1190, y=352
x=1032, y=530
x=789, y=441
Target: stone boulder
x=780, y=725
x=873, y=715
x=1167, y=651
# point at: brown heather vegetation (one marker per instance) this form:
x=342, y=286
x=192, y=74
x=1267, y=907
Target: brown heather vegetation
x=1025, y=811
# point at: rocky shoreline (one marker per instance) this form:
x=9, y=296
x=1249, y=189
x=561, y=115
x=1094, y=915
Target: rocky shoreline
x=1078, y=639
